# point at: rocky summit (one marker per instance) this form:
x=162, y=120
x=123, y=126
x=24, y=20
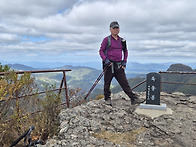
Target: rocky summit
x=96, y=124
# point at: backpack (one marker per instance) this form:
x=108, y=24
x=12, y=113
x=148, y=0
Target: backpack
x=123, y=42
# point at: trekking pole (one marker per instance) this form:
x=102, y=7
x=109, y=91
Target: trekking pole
x=27, y=133
x=98, y=79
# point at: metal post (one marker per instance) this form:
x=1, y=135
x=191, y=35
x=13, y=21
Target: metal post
x=17, y=104
x=61, y=85
x=66, y=91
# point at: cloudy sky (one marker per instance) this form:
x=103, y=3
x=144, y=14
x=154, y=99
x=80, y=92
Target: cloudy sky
x=72, y=30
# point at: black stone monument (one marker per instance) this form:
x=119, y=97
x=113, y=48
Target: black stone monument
x=153, y=85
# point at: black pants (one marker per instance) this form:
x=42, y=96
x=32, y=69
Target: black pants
x=120, y=76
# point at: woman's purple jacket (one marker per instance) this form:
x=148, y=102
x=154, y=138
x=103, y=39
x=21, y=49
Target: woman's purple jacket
x=114, y=52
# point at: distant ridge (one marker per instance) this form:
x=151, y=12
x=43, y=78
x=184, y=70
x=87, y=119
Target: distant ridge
x=21, y=67
x=179, y=67
x=74, y=67
x=84, y=76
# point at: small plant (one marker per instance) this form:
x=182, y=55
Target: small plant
x=18, y=111
x=4, y=68
x=100, y=96
x=50, y=103
x=76, y=97
x=13, y=106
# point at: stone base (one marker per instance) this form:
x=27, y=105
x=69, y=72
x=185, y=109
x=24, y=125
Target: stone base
x=162, y=107
x=153, y=113
x=153, y=110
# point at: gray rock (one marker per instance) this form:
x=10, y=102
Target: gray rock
x=95, y=124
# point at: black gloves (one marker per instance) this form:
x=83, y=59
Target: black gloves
x=123, y=63
x=107, y=62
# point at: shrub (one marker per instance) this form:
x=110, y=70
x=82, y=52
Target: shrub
x=16, y=108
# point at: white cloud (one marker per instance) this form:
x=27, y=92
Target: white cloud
x=9, y=38
x=157, y=28
x=43, y=8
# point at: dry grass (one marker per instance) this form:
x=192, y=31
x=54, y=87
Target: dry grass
x=126, y=138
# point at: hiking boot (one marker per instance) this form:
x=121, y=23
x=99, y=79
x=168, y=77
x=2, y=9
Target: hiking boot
x=108, y=102
x=135, y=100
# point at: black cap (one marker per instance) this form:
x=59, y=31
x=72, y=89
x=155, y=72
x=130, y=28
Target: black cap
x=114, y=24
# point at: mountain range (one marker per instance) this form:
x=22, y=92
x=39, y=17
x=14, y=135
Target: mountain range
x=84, y=77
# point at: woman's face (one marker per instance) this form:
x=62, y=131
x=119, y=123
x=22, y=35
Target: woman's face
x=114, y=31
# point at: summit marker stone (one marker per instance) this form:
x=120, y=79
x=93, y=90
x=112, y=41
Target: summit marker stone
x=153, y=86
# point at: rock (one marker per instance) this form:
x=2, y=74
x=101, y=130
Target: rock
x=178, y=94
x=95, y=124
x=179, y=67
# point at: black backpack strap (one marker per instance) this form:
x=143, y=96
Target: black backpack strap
x=109, y=41
x=108, y=45
x=106, y=50
x=124, y=44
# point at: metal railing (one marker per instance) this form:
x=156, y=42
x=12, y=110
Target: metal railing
x=169, y=72
x=63, y=81
x=177, y=72
x=63, y=85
